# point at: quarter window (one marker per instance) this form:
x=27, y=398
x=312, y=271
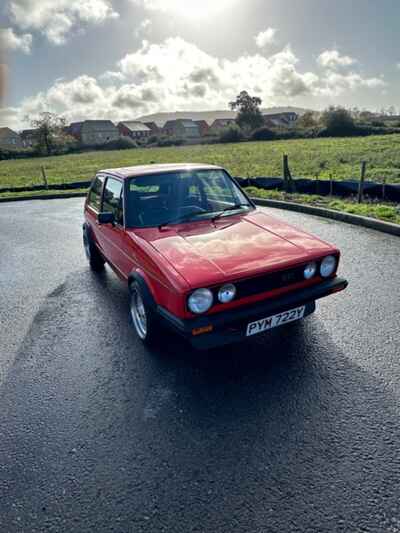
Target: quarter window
x=94, y=199
x=112, y=199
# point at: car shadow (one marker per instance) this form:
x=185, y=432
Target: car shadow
x=278, y=433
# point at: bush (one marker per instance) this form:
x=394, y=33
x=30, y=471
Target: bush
x=338, y=122
x=378, y=123
x=16, y=154
x=232, y=134
x=170, y=141
x=119, y=144
x=263, y=134
x=360, y=131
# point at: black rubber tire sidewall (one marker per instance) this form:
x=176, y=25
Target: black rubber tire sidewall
x=96, y=261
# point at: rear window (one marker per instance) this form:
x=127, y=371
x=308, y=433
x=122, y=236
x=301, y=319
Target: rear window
x=94, y=198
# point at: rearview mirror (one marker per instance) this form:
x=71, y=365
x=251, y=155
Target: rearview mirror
x=106, y=218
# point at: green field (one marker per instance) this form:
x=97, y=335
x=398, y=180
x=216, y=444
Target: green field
x=307, y=158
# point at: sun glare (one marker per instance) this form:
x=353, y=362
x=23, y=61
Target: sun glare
x=194, y=9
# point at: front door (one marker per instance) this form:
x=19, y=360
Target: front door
x=111, y=235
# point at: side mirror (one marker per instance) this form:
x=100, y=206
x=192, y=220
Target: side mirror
x=106, y=218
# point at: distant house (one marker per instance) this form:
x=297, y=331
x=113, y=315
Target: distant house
x=155, y=130
x=29, y=137
x=10, y=140
x=182, y=128
x=285, y=120
x=203, y=127
x=74, y=129
x=134, y=130
x=220, y=124
x=94, y=132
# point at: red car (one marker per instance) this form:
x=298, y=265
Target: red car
x=198, y=256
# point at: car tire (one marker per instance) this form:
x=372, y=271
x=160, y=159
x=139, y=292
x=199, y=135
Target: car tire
x=94, y=257
x=142, y=316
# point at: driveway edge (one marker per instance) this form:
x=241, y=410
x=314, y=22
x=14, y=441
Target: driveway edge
x=358, y=220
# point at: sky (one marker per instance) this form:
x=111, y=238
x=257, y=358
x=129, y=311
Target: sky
x=120, y=59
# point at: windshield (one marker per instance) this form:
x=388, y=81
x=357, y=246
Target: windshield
x=170, y=198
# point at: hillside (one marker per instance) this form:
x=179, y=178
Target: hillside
x=209, y=116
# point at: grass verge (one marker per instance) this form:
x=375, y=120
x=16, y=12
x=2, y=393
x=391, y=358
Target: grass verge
x=387, y=212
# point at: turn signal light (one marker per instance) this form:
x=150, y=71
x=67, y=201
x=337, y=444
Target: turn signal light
x=200, y=331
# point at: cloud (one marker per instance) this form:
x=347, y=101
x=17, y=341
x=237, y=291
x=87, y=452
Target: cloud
x=152, y=5
x=10, y=116
x=9, y=40
x=57, y=18
x=192, y=9
x=398, y=66
x=84, y=90
x=176, y=75
x=127, y=97
x=332, y=59
x=143, y=27
x=265, y=38
x=171, y=63
x=204, y=74
x=335, y=84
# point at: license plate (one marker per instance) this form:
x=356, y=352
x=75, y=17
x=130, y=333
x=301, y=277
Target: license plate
x=273, y=321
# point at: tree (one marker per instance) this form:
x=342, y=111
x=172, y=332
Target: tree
x=307, y=120
x=249, y=116
x=50, y=129
x=338, y=121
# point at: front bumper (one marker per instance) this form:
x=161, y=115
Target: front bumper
x=230, y=326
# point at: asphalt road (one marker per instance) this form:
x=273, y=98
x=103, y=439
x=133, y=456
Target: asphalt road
x=295, y=431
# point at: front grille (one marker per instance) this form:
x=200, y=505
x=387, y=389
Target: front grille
x=265, y=283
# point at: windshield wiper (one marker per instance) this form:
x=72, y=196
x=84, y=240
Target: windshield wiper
x=181, y=218
x=229, y=208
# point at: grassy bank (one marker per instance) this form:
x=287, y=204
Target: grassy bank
x=339, y=157
x=381, y=211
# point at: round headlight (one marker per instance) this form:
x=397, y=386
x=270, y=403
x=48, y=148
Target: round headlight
x=226, y=293
x=310, y=270
x=328, y=266
x=200, y=301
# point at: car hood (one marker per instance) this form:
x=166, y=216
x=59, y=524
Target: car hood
x=233, y=247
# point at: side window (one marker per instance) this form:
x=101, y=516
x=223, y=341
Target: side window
x=94, y=199
x=112, y=199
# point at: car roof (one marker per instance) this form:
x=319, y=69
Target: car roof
x=142, y=170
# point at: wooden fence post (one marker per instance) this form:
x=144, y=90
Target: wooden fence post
x=288, y=183
x=361, y=184
x=384, y=189
x=330, y=185
x=44, y=178
x=317, y=184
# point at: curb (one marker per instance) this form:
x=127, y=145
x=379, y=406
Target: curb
x=357, y=220
x=55, y=196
